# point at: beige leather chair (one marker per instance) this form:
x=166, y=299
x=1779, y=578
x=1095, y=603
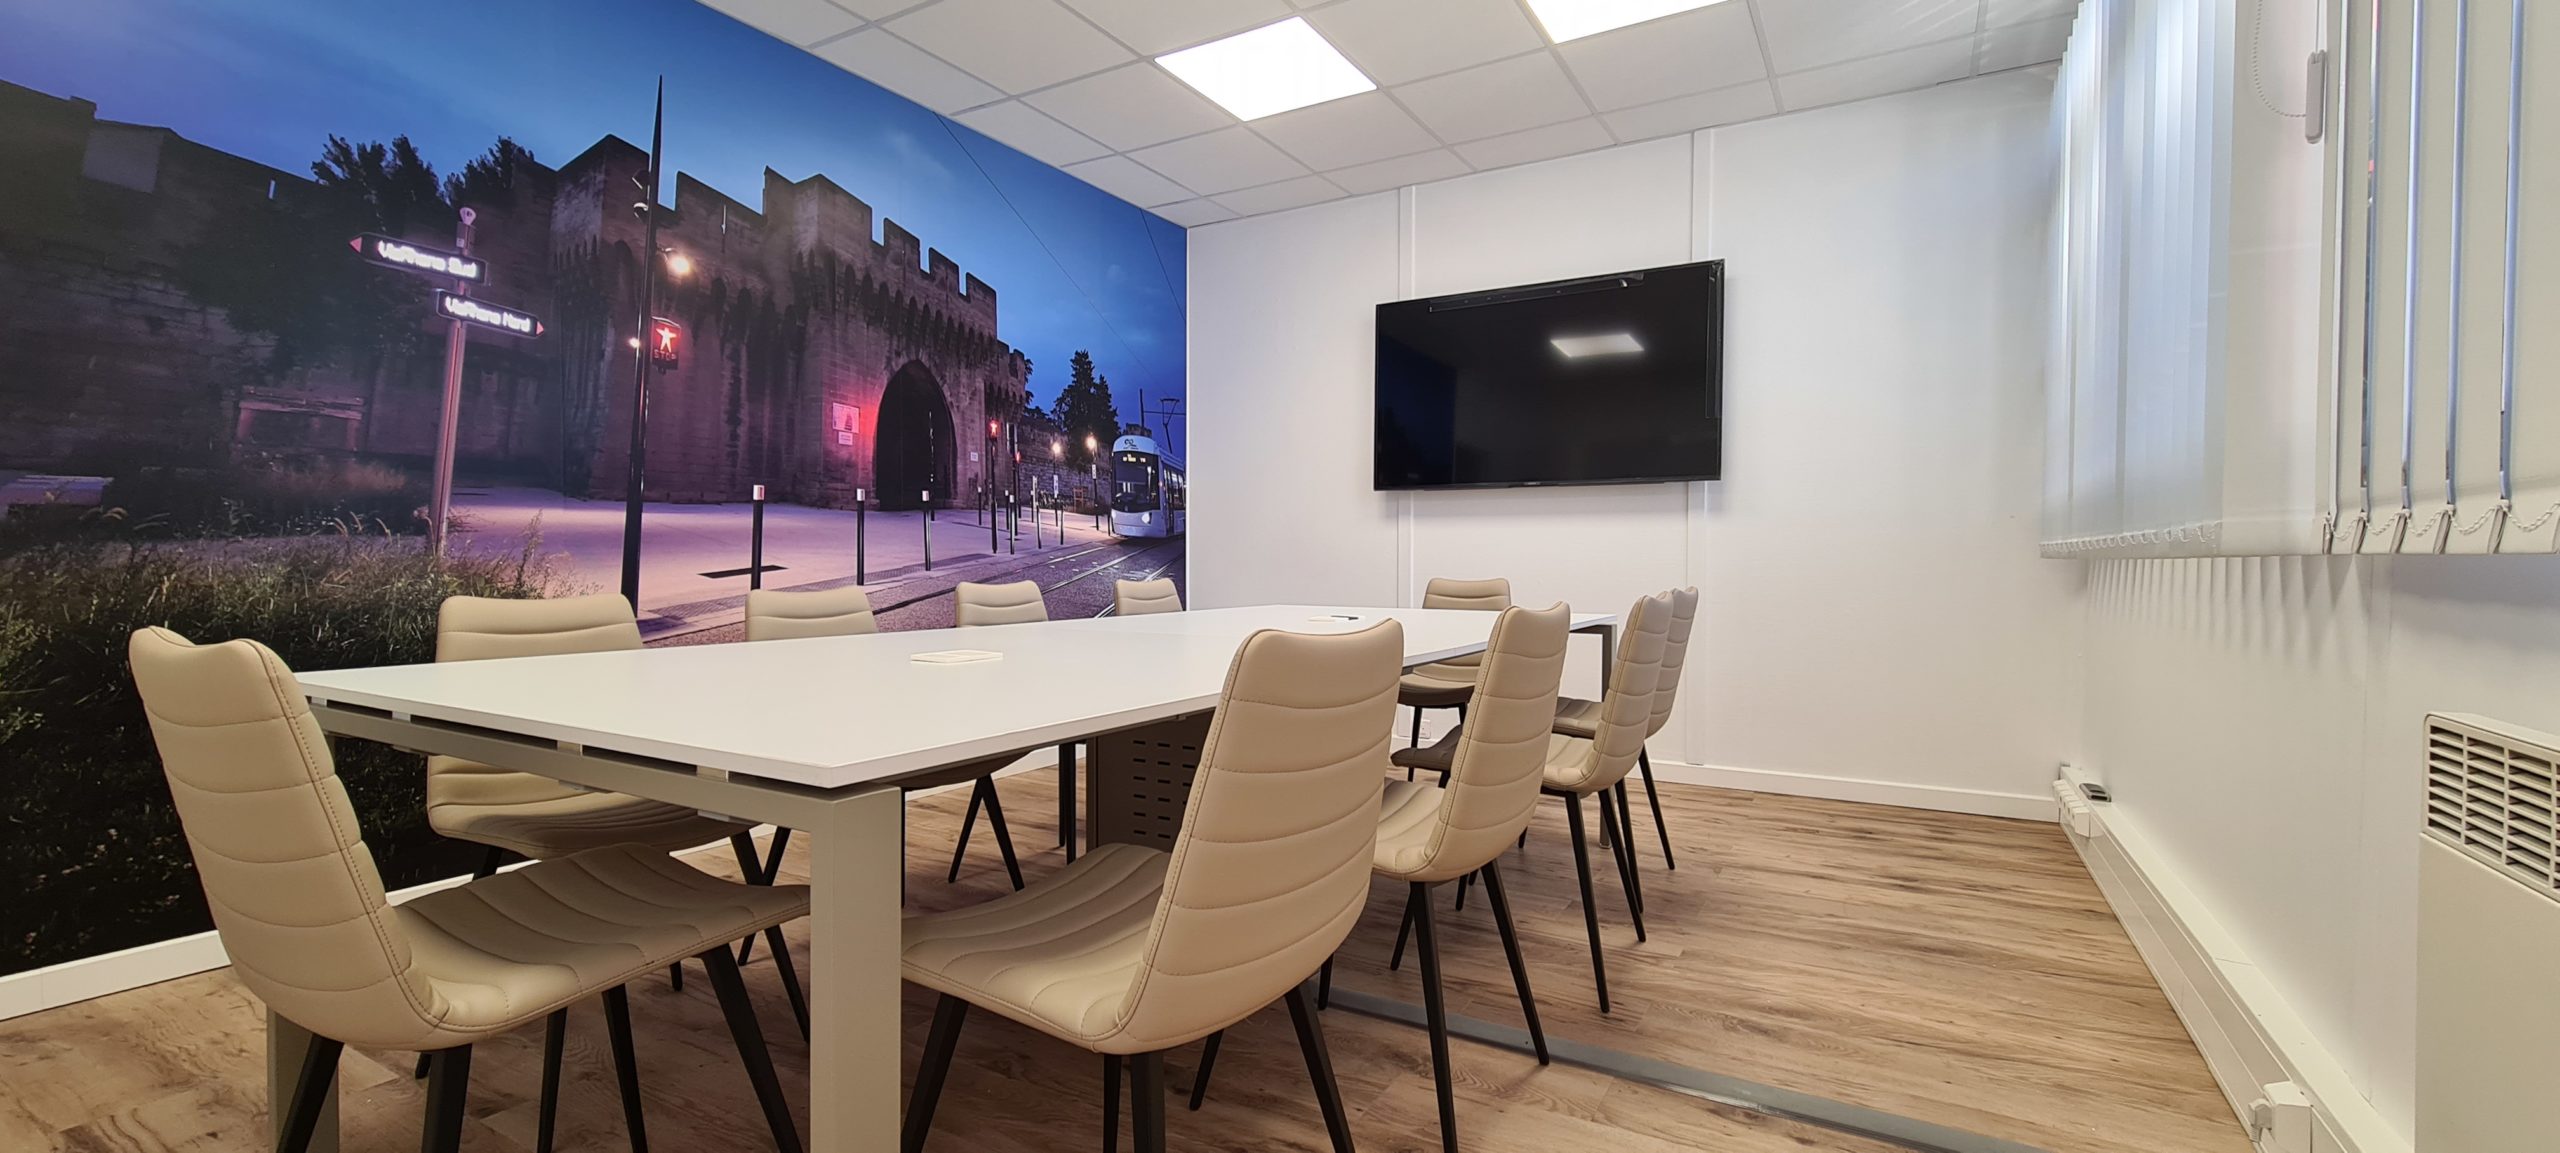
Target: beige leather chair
x=1134, y=950
x=1578, y=767
x=777, y=614
x=975, y=605
x=1140, y=598
x=301, y=911
x=1448, y=684
x=1018, y=603
x=1575, y=718
x=1429, y=834
x=540, y=818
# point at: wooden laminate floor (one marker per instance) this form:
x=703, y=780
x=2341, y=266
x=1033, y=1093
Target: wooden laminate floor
x=1960, y=970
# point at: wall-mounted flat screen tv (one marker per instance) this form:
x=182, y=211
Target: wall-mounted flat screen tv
x=1603, y=380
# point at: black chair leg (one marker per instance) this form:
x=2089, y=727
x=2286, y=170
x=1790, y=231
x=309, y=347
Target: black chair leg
x=420, y=1073
x=1324, y=985
x=1436, y=1015
x=311, y=1091
x=743, y=847
x=675, y=976
x=555, y=1037
x=626, y=1064
x=1653, y=800
x=1067, y=800
x=1590, y=906
x=1111, y=1103
x=741, y=1011
x=1511, y=948
x=968, y=822
x=1003, y=835
x=1146, y=1101
x=1404, y=932
x=939, y=1043
x=1463, y=883
x=1620, y=853
x=448, y=1087
x=1337, y=1124
x=773, y=856
x=1627, y=827
x=790, y=979
x=489, y=862
x=1208, y=1063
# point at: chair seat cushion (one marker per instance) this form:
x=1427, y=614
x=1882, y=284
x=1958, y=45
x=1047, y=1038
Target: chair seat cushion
x=508, y=949
x=1568, y=765
x=1436, y=687
x=1436, y=756
x=1407, y=814
x=1576, y=717
x=541, y=818
x=1061, y=956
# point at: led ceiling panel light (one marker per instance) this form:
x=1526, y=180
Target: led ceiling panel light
x=1269, y=70
x=1574, y=19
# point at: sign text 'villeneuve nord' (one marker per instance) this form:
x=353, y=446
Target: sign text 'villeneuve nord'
x=486, y=315
x=400, y=253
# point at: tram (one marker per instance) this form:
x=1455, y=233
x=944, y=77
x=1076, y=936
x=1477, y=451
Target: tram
x=1148, y=494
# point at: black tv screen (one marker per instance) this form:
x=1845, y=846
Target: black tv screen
x=1603, y=380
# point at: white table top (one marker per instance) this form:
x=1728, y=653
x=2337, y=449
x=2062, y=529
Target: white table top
x=839, y=711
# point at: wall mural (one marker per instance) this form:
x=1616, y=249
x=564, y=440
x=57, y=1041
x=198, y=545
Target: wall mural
x=249, y=247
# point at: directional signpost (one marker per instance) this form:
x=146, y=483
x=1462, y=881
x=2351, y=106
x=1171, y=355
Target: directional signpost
x=460, y=313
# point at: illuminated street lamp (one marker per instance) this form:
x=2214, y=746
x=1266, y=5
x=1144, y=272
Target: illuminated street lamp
x=679, y=265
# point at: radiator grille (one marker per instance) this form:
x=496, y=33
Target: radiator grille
x=2490, y=794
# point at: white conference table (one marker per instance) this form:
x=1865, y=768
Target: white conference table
x=814, y=734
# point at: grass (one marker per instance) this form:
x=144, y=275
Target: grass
x=91, y=855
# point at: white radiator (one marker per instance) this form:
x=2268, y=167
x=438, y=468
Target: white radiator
x=2488, y=940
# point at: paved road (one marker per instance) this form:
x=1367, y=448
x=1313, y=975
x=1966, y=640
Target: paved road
x=1075, y=580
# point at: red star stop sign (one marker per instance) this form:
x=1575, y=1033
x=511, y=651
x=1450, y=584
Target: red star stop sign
x=666, y=340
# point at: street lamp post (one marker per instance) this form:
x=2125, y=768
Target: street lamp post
x=640, y=357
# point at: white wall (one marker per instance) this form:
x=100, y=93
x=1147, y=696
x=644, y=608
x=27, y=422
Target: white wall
x=2258, y=720
x=1874, y=607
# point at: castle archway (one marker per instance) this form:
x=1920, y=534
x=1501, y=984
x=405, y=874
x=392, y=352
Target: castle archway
x=916, y=450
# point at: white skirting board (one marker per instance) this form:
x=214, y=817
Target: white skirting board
x=2249, y=1036
x=1941, y=798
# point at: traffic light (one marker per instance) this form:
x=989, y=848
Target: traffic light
x=995, y=429
x=666, y=341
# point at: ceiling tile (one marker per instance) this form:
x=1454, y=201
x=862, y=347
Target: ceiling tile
x=1220, y=161
x=1690, y=113
x=1537, y=144
x=1032, y=134
x=1339, y=133
x=1399, y=40
x=1492, y=99
x=1286, y=194
x=1420, y=168
x=1810, y=33
x=1892, y=72
x=1194, y=213
x=1713, y=47
x=903, y=68
x=1131, y=107
x=1997, y=13
x=2019, y=45
x=802, y=22
x=1129, y=180
x=1016, y=45
x=1155, y=27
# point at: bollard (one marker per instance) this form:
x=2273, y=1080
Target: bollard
x=928, y=530
x=1035, y=521
x=990, y=506
x=755, y=544
x=861, y=507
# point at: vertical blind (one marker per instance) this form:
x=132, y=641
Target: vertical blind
x=2267, y=345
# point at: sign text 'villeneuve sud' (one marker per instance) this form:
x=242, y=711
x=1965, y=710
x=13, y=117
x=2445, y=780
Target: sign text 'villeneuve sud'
x=400, y=253
x=486, y=315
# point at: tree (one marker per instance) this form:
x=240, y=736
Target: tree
x=393, y=182
x=1084, y=409
x=489, y=178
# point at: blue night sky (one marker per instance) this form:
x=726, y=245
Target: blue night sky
x=273, y=79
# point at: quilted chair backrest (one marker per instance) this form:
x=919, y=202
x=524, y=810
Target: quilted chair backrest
x=1006, y=604
x=1675, y=654
x=1271, y=867
x=1140, y=598
x=1502, y=749
x=491, y=628
x=1626, y=708
x=775, y=615
x=284, y=866
x=1491, y=595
